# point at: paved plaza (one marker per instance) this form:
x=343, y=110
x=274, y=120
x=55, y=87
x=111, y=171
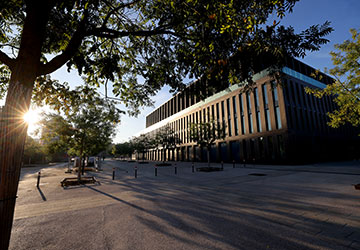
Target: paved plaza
x=252, y=207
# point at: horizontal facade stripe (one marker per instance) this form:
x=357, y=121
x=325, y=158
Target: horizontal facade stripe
x=303, y=78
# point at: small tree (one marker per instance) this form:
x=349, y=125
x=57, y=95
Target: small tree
x=123, y=149
x=86, y=128
x=206, y=133
x=167, y=139
x=55, y=133
x=142, y=144
x=33, y=151
x=345, y=89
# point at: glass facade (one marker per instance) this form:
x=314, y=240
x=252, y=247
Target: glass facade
x=267, y=108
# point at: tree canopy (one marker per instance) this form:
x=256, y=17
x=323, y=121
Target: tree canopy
x=346, y=88
x=85, y=129
x=139, y=46
x=122, y=149
x=142, y=143
x=33, y=151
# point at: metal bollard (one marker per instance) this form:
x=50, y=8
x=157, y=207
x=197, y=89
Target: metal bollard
x=233, y=163
x=135, y=171
x=244, y=163
x=155, y=171
x=38, y=179
x=113, y=177
x=175, y=169
x=222, y=165
x=193, y=167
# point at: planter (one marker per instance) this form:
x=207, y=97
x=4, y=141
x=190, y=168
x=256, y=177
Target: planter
x=163, y=164
x=74, y=181
x=257, y=174
x=208, y=169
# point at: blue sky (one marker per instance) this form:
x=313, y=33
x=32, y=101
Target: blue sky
x=343, y=15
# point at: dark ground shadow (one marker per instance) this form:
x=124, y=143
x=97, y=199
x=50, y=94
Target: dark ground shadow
x=250, y=216
x=41, y=194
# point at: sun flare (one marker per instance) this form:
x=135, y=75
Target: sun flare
x=31, y=117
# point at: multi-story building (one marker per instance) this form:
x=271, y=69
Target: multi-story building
x=274, y=121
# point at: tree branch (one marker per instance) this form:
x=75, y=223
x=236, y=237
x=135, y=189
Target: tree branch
x=10, y=62
x=68, y=53
x=109, y=33
x=114, y=10
x=343, y=85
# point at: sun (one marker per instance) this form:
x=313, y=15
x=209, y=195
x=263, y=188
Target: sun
x=31, y=117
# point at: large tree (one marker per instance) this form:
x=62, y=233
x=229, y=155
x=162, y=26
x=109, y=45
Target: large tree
x=136, y=45
x=346, y=88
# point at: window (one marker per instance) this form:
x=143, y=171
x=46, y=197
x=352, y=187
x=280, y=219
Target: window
x=276, y=105
x=187, y=129
x=278, y=118
x=223, y=113
x=248, y=104
x=236, y=123
x=222, y=110
x=212, y=112
x=275, y=94
x=248, y=101
x=217, y=115
x=257, y=109
x=266, y=107
x=251, y=126
x=229, y=116
x=208, y=114
x=243, y=129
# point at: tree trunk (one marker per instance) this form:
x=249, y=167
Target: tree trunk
x=12, y=128
x=12, y=140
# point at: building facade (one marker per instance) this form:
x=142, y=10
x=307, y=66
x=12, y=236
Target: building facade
x=273, y=122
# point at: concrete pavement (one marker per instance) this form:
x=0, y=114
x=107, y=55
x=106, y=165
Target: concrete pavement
x=289, y=207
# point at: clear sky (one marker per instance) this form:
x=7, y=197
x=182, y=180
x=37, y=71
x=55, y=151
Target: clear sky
x=343, y=15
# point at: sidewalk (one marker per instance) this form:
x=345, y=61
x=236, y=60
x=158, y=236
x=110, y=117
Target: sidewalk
x=285, y=207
